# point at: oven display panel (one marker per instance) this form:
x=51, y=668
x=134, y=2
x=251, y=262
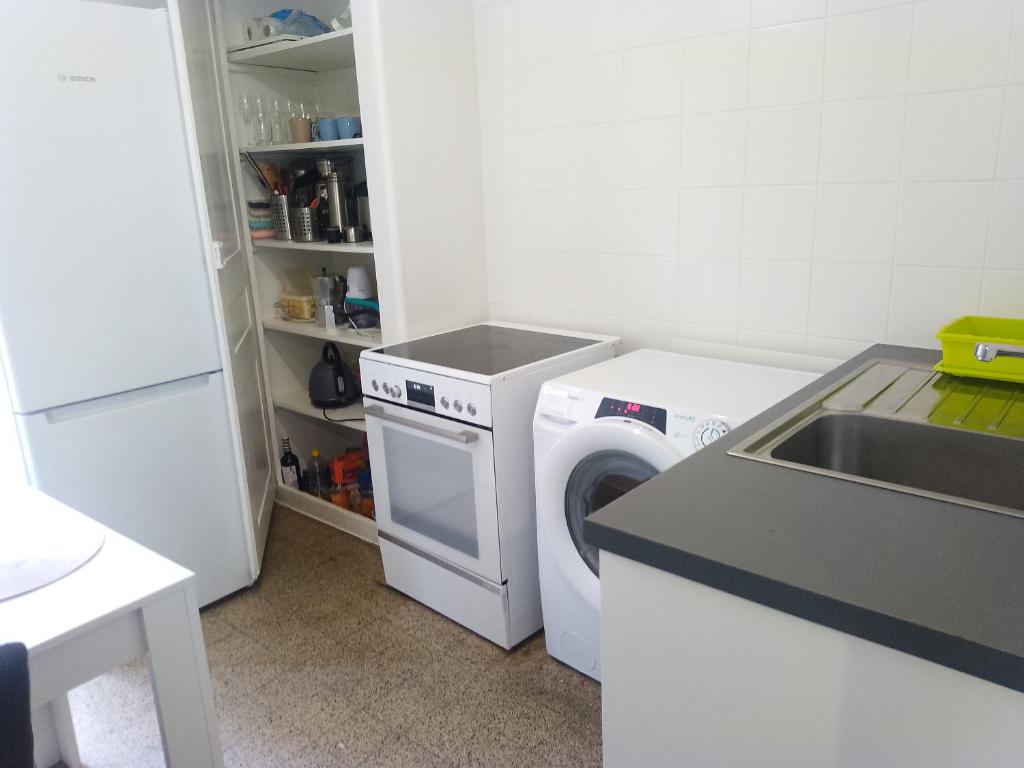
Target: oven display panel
x=648, y=414
x=421, y=394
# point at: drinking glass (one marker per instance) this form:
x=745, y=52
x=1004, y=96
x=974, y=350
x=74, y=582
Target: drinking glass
x=245, y=108
x=263, y=133
x=277, y=136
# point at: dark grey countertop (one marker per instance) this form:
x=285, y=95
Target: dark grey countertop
x=935, y=579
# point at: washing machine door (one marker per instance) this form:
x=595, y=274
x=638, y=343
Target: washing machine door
x=591, y=466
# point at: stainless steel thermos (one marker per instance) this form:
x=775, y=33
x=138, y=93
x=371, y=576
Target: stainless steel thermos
x=336, y=207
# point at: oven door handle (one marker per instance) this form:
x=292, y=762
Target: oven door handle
x=465, y=436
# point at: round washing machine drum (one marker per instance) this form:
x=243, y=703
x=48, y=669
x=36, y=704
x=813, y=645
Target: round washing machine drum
x=591, y=466
x=598, y=480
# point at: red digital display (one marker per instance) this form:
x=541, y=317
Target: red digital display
x=656, y=417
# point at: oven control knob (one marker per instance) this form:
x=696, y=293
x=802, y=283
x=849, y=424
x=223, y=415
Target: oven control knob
x=458, y=406
x=396, y=391
x=445, y=403
x=471, y=409
x=375, y=385
x=388, y=390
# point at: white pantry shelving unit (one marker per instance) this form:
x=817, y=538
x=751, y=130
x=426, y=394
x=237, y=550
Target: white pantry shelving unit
x=309, y=147
x=365, y=339
x=326, y=512
x=408, y=70
x=323, y=53
x=321, y=69
x=297, y=401
x=291, y=245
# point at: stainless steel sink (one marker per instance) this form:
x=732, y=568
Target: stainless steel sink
x=908, y=429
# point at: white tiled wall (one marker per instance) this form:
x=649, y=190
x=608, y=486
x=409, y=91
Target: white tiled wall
x=793, y=174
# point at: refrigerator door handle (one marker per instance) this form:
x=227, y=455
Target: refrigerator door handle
x=218, y=253
x=123, y=399
x=217, y=249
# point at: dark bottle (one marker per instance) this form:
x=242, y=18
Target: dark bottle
x=290, y=469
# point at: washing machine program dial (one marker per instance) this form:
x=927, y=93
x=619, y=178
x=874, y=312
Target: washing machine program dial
x=708, y=431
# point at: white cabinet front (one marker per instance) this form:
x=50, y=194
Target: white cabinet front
x=434, y=484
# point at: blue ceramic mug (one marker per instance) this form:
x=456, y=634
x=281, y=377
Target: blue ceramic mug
x=348, y=127
x=328, y=129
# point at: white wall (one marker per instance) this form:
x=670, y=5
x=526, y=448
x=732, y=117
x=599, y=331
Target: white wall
x=791, y=174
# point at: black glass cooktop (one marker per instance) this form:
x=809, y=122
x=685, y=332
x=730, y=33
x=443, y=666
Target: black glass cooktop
x=486, y=349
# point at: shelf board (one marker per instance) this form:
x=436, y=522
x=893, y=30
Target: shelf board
x=331, y=514
x=366, y=338
x=297, y=401
x=363, y=247
x=307, y=147
x=331, y=50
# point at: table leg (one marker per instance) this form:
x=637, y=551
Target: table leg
x=181, y=681
x=54, y=734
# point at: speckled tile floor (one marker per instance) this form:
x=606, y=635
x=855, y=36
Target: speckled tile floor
x=321, y=664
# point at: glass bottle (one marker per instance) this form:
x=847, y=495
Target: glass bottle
x=318, y=475
x=290, y=469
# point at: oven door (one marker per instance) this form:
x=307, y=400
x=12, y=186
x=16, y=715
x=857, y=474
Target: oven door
x=433, y=482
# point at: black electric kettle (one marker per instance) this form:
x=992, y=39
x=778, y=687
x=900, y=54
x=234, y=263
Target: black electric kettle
x=331, y=382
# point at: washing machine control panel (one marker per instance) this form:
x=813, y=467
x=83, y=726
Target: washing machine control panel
x=688, y=430
x=648, y=414
x=708, y=431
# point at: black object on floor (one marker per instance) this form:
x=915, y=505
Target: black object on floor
x=15, y=711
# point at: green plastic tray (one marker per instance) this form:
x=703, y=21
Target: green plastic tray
x=960, y=338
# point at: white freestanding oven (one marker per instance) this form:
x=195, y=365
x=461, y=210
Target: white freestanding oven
x=449, y=424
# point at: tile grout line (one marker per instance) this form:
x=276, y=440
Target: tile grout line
x=901, y=184
x=750, y=27
x=1017, y=9
x=817, y=187
x=740, y=259
x=766, y=108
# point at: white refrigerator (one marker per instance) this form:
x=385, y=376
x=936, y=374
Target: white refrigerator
x=108, y=332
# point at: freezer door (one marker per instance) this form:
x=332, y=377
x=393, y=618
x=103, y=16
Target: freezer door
x=105, y=284
x=155, y=465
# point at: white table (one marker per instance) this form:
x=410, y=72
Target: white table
x=125, y=602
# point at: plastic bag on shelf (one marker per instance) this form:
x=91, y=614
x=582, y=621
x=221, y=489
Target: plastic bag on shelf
x=295, y=22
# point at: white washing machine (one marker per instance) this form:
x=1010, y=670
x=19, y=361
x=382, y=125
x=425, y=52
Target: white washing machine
x=600, y=432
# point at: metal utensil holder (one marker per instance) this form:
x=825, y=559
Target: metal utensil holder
x=279, y=215
x=305, y=227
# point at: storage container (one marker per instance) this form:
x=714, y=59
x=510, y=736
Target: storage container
x=300, y=308
x=984, y=348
